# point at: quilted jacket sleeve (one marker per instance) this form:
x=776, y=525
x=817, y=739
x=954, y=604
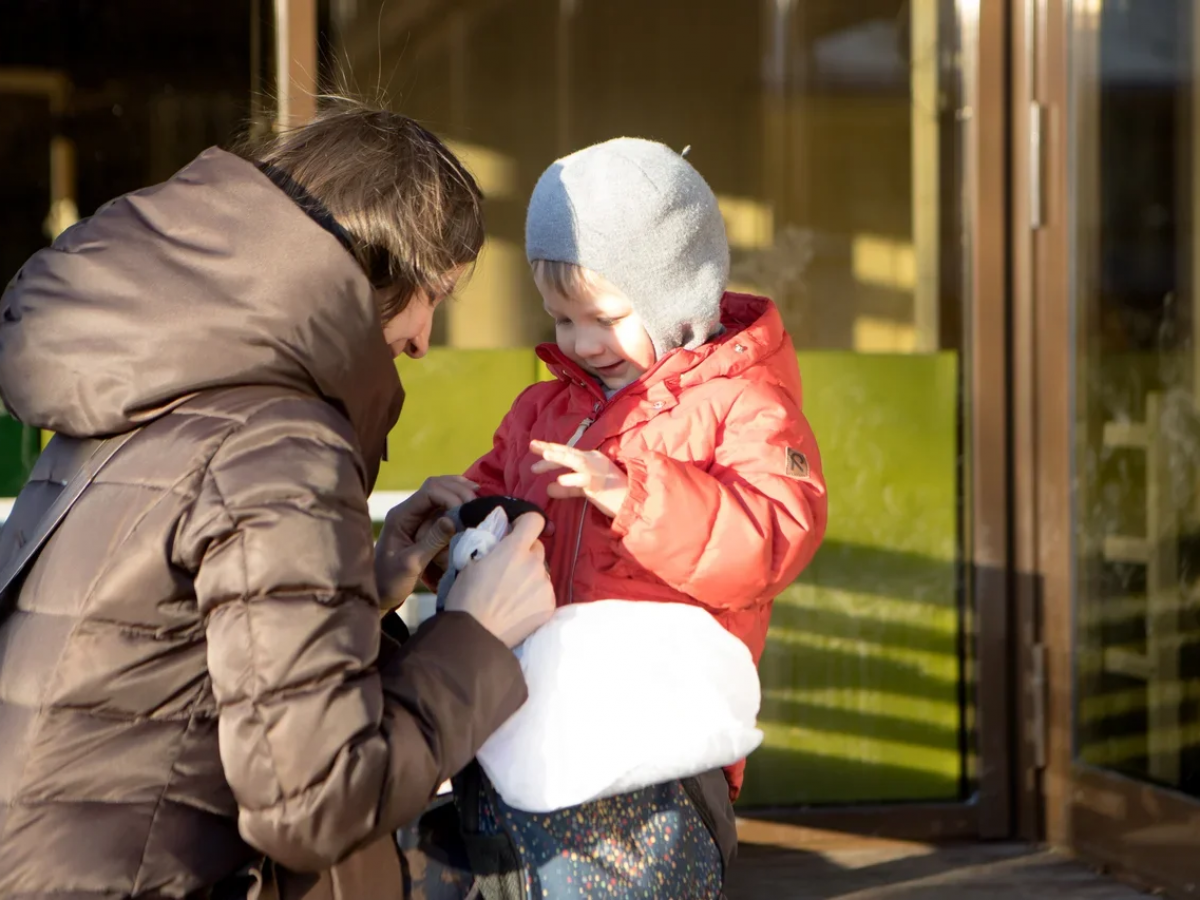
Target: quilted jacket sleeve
x=739, y=532
x=326, y=746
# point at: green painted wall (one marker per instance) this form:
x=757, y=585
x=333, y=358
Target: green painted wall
x=861, y=673
x=19, y=448
x=454, y=401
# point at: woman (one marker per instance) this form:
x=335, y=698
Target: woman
x=194, y=678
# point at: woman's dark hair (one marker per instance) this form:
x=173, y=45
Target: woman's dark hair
x=410, y=210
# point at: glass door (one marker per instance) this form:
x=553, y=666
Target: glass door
x=1116, y=300
x=1137, y=440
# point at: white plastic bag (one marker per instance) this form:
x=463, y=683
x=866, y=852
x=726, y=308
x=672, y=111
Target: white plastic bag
x=623, y=695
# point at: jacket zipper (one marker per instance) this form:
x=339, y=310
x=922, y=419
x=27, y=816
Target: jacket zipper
x=575, y=438
x=583, y=426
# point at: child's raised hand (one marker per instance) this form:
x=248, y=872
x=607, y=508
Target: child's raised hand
x=591, y=474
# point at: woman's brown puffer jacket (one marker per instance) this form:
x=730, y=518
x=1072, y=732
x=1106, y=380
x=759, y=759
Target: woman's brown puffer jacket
x=194, y=674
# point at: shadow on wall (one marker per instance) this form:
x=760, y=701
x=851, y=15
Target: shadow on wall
x=861, y=699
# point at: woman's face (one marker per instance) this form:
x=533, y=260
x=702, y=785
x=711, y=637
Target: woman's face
x=407, y=332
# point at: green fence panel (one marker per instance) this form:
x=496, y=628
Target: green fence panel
x=861, y=672
x=19, y=448
x=455, y=401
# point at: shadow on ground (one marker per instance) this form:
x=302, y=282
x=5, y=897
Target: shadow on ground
x=832, y=866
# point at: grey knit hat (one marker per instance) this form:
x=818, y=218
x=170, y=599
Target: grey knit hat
x=636, y=212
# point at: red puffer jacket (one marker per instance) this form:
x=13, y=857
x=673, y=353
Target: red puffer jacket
x=726, y=500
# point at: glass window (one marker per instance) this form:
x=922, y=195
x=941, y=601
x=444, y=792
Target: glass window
x=1137, y=195
x=825, y=128
x=100, y=99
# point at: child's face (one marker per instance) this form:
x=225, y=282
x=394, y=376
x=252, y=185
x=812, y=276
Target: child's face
x=597, y=328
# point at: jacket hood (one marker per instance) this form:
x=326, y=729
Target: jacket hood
x=754, y=336
x=213, y=279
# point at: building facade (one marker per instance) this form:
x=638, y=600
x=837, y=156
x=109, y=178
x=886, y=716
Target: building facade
x=981, y=220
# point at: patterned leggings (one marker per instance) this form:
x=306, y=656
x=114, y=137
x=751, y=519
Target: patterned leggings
x=648, y=844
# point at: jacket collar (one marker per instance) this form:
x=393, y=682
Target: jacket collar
x=753, y=335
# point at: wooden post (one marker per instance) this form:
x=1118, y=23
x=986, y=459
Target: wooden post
x=1189, y=165
x=56, y=88
x=926, y=171
x=295, y=62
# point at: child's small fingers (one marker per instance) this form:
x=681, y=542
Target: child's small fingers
x=559, y=453
x=575, y=465
x=544, y=465
x=562, y=492
x=575, y=480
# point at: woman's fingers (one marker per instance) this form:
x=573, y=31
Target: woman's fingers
x=441, y=561
x=508, y=591
x=448, y=497
x=434, y=497
x=448, y=491
x=526, y=531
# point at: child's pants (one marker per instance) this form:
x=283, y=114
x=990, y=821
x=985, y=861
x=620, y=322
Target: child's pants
x=650, y=843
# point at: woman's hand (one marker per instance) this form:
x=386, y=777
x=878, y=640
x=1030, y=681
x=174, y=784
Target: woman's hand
x=509, y=590
x=414, y=534
x=591, y=474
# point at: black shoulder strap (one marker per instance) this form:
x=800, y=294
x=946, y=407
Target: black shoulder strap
x=105, y=450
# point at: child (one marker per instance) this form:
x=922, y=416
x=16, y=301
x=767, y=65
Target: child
x=670, y=452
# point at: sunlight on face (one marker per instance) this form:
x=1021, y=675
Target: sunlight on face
x=598, y=329
x=407, y=332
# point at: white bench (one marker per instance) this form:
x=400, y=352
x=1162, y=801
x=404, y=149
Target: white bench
x=379, y=502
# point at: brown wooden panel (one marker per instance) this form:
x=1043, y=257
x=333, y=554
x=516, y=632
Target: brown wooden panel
x=985, y=61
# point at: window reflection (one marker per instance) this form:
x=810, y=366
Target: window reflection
x=1138, y=441
x=99, y=99
x=826, y=128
